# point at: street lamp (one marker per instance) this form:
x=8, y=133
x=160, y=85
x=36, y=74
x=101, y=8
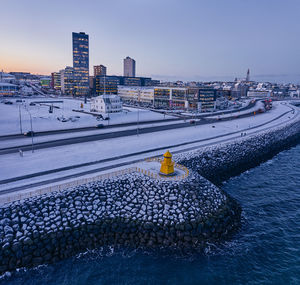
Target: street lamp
x=138, y=113
x=31, y=131
x=20, y=119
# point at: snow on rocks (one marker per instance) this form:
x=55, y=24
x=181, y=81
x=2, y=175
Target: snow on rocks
x=225, y=160
x=132, y=210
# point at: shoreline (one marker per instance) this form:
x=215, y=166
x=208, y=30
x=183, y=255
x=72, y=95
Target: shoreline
x=174, y=219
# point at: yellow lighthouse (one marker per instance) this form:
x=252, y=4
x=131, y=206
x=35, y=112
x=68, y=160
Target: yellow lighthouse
x=167, y=165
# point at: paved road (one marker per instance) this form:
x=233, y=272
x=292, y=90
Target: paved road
x=97, y=137
x=99, y=162
x=83, y=129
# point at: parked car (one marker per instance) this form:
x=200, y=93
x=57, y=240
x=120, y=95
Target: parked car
x=32, y=104
x=192, y=122
x=99, y=126
x=8, y=102
x=29, y=134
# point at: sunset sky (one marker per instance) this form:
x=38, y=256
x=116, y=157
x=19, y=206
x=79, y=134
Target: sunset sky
x=169, y=39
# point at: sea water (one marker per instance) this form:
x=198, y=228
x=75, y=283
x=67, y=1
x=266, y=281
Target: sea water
x=266, y=250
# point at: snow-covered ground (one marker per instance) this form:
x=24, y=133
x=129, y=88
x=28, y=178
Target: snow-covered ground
x=42, y=120
x=259, y=105
x=46, y=159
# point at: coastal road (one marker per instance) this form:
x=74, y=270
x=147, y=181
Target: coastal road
x=206, y=142
x=117, y=134
x=84, y=129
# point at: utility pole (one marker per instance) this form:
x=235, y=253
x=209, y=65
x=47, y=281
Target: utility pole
x=138, y=113
x=20, y=120
x=32, y=150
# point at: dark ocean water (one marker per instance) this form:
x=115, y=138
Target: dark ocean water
x=265, y=251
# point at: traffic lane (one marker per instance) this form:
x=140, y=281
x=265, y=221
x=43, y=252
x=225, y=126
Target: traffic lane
x=56, y=132
x=118, y=134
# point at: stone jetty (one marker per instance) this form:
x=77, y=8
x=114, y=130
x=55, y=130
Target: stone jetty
x=132, y=210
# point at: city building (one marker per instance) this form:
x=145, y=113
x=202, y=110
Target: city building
x=99, y=70
x=140, y=94
x=106, y=104
x=133, y=81
x=24, y=76
x=206, y=99
x=45, y=81
x=129, y=67
x=239, y=90
x=107, y=84
x=7, y=78
x=110, y=83
x=56, y=80
x=81, y=63
x=67, y=81
x=170, y=97
x=259, y=93
x=8, y=89
x=193, y=98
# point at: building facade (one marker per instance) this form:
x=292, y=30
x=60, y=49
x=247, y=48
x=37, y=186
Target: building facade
x=55, y=80
x=81, y=63
x=110, y=83
x=201, y=99
x=107, y=84
x=106, y=104
x=8, y=89
x=67, y=81
x=136, y=94
x=129, y=67
x=206, y=99
x=99, y=70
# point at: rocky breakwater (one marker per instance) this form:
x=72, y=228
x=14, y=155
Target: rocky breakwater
x=132, y=210
x=223, y=161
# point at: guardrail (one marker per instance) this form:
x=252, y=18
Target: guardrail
x=23, y=195
x=7, y=198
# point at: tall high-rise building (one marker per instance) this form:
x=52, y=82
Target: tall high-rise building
x=81, y=63
x=129, y=67
x=99, y=70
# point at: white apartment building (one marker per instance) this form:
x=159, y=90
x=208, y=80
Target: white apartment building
x=106, y=104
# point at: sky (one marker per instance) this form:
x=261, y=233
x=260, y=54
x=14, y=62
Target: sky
x=169, y=39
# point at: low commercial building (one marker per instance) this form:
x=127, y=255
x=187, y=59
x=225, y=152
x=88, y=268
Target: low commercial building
x=191, y=98
x=109, y=84
x=207, y=100
x=259, y=93
x=45, y=81
x=170, y=97
x=136, y=94
x=7, y=78
x=8, y=89
x=106, y=104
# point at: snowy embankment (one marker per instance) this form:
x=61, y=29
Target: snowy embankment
x=131, y=210
x=223, y=161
